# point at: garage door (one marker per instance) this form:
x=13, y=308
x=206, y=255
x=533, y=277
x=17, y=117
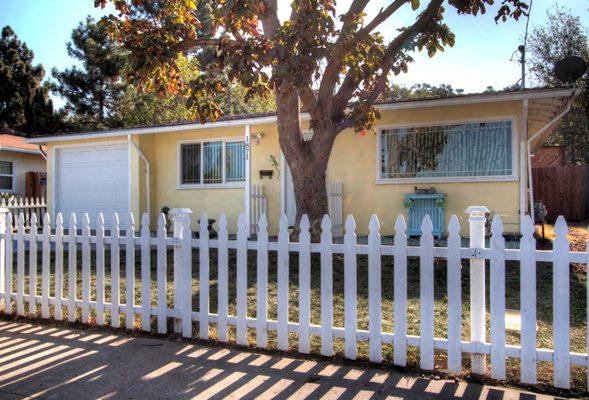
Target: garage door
x=92, y=179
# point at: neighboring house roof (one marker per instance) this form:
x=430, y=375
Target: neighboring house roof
x=549, y=156
x=550, y=102
x=18, y=144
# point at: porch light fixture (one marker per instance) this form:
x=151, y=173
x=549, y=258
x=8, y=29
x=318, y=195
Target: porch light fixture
x=257, y=137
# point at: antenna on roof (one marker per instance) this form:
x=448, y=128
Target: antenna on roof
x=570, y=69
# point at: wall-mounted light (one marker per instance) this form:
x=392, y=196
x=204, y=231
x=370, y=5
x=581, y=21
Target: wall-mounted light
x=257, y=137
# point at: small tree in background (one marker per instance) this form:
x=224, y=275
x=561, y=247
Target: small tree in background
x=564, y=35
x=334, y=66
x=24, y=101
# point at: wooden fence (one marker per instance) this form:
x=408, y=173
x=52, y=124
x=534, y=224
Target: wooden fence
x=121, y=250
x=564, y=190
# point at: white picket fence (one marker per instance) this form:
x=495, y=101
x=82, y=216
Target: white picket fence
x=259, y=206
x=27, y=206
x=335, y=197
x=122, y=256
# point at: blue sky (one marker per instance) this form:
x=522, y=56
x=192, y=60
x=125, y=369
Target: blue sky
x=481, y=56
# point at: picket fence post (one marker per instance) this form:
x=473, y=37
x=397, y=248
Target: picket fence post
x=178, y=217
x=477, y=219
x=204, y=278
x=304, y=285
x=3, y=213
x=282, y=283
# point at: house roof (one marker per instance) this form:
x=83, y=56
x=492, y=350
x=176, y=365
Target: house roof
x=17, y=144
x=549, y=156
x=264, y=118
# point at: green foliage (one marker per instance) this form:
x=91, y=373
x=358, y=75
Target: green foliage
x=564, y=35
x=422, y=91
x=24, y=100
x=94, y=92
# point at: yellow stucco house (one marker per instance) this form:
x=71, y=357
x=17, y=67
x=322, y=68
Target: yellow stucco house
x=483, y=143
x=18, y=158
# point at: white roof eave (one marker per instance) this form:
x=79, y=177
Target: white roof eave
x=482, y=98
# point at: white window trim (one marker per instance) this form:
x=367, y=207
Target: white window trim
x=499, y=178
x=223, y=185
x=14, y=175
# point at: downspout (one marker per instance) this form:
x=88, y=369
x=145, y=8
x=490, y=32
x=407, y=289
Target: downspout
x=43, y=154
x=576, y=92
x=147, y=173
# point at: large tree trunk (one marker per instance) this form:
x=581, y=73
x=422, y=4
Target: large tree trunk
x=307, y=160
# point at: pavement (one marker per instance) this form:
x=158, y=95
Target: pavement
x=54, y=362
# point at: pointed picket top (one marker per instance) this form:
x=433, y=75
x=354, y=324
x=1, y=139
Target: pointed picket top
x=46, y=220
x=222, y=222
x=21, y=202
x=560, y=227
x=21, y=220
x=100, y=221
x=203, y=223
x=454, y=226
x=58, y=220
x=400, y=225
x=26, y=201
x=305, y=224
x=283, y=223
x=426, y=225
x=242, y=223
x=497, y=226
x=161, y=221
x=263, y=223
x=350, y=224
x=145, y=222
x=326, y=224
x=33, y=222
x=528, y=228
x=72, y=220
x=9, y=220
x=115, y=221
x=131, y=222
x=374, y=225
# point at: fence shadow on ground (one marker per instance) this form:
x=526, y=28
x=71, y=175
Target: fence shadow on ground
x=54, y=362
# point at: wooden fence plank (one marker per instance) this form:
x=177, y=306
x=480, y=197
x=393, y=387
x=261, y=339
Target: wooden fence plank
x=58, y=267
x=497, y=298
x=561, y=305
x=528, y=302
x=72, y=268
x=350, y=289
x=454, y=297
x=8, y=250
x=223, y=294
x=282, y=283
x=145, y=274
x=115, y=272
x=426, y=295
x=326, y=287
x=186, y=285
x=20, y=265
x=241, y=286
x=130, y=272
x=400, y=293
x=204, y=278
x=161, y=273
x=374, y=290
x=33, y=265
x=100, y=269
x=262, y=284
x=46, y=257
x=304, y=285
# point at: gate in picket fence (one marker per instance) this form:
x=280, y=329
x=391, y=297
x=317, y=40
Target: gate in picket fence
x=122, y=241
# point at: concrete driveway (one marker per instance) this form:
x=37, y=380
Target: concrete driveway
x=49, y=362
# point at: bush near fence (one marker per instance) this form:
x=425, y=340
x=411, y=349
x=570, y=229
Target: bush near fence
x=57, y=244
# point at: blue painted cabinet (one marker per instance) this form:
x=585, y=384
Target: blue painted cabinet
x=420, y=205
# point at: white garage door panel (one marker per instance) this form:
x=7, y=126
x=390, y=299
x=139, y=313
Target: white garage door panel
x=93, y=179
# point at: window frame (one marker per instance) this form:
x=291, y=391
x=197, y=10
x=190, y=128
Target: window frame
x=13, y=176
x=222, y=185
x=490, y=178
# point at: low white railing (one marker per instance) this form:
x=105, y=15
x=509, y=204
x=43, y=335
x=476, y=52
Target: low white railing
x=122, y=257
x=27, y=206
x=335, y=197
x=259, y=206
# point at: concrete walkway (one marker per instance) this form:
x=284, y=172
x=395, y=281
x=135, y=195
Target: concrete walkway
x=47, y=362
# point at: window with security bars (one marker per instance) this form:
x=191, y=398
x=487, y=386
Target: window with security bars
x=212, y=162
x=447, y=151
x=6, y=176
